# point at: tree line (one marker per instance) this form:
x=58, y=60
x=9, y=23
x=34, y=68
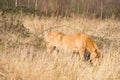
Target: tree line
x=87, y=8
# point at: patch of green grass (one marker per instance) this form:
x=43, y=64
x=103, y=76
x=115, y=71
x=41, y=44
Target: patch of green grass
x=100, y=41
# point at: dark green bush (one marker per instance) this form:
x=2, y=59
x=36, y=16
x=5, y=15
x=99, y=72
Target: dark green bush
x=19, y=9
x=14, y=26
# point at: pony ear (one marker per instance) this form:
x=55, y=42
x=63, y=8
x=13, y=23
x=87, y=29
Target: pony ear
x=59, y=36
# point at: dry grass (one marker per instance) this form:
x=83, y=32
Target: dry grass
x=16, y=52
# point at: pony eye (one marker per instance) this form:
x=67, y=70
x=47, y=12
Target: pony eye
x=95, y=50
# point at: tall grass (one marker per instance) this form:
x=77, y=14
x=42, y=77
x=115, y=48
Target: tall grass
x=25, y=58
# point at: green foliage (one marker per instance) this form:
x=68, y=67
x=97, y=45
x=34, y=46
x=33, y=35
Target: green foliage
x=87, y=8
x=101, y=41
x=14, y=26
x=39, y=43
x=19, y=9
x=117, y=12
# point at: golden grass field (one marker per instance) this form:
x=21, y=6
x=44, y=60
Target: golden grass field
x=24, y=57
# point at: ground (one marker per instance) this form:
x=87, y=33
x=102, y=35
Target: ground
x=23, y=54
